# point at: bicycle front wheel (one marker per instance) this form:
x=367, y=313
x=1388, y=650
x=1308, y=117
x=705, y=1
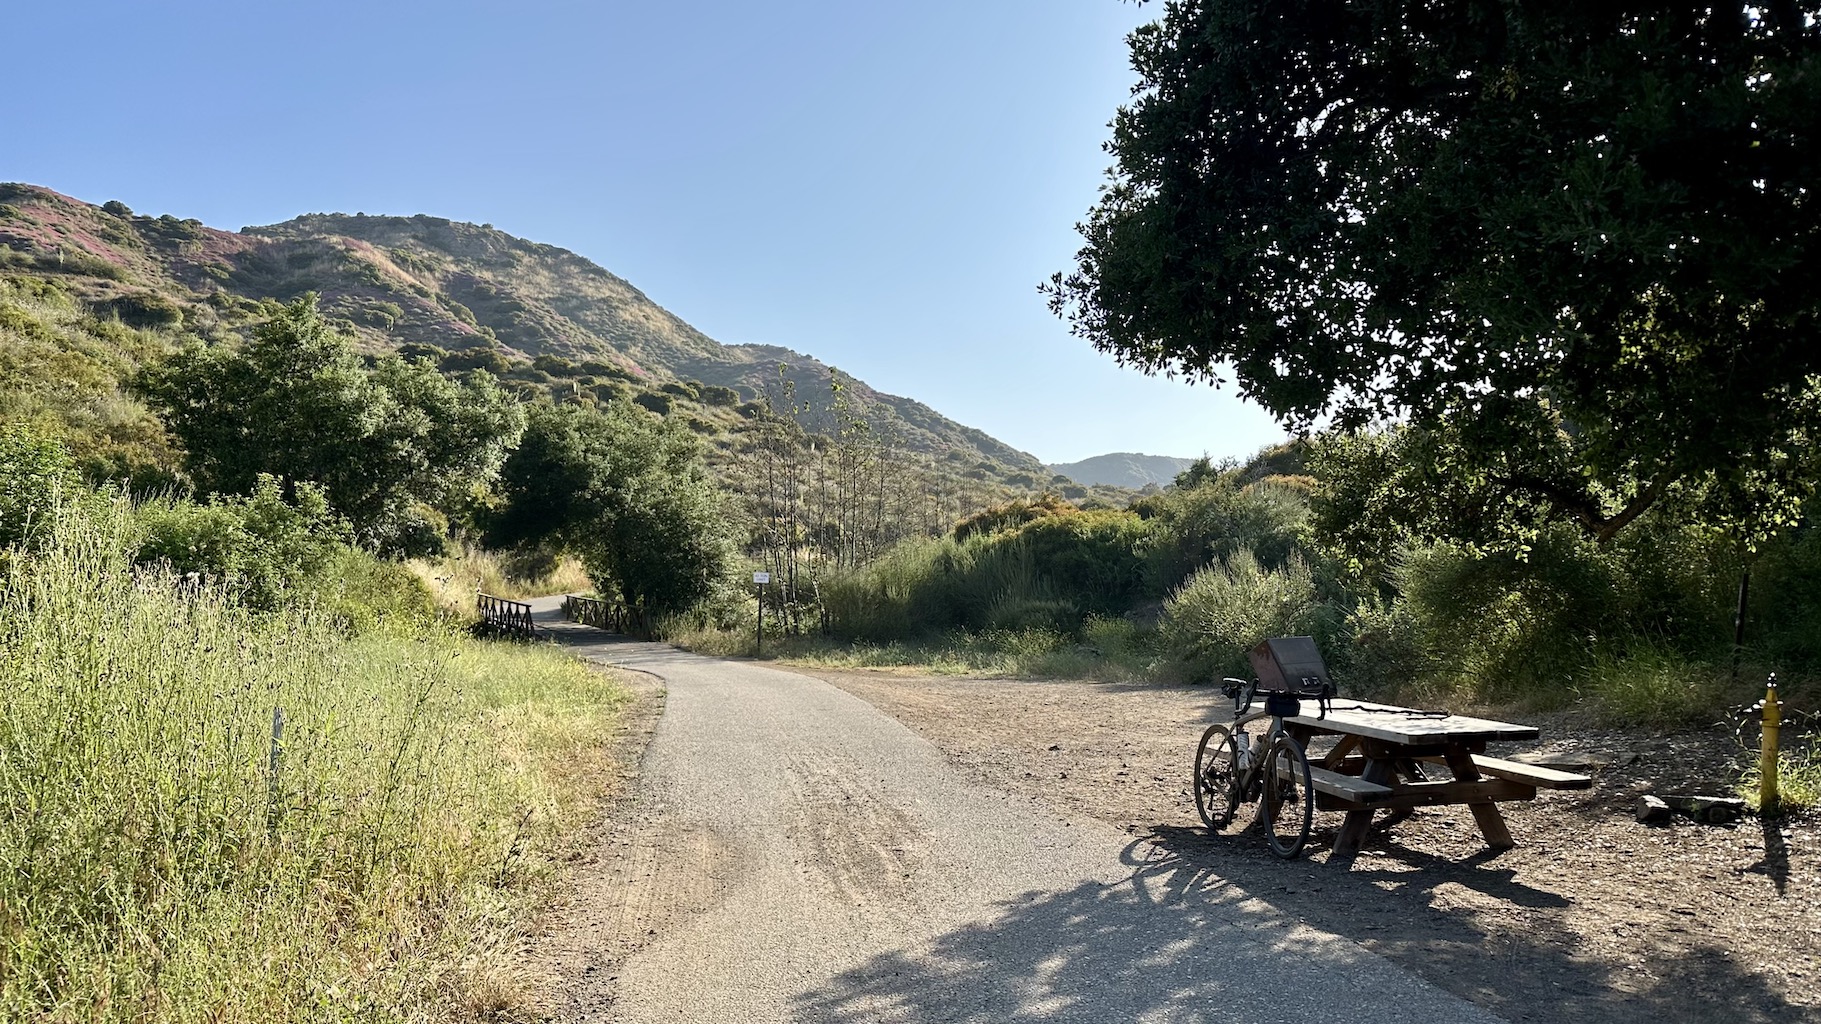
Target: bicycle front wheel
x=1287, y=808
x=1216, y=777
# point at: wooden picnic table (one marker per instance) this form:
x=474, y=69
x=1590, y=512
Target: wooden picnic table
x=1391, y=758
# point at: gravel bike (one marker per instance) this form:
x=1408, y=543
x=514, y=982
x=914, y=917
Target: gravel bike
x=1238, y=764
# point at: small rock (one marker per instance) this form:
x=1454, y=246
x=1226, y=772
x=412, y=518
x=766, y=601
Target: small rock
x=1653, y=811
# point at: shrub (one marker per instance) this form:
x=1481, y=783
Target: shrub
x=1384, y=653
x=1784, y=626
x=1224, y=610
x=715, y=394
x=37, y=478
x=265, y=550
x=556, y=366
x=147, y=310
x=1645, y=685
x=1216, y=518
x=1500, y=626
x=1096, y=559
x=361, y=593
x=1012, y=515
x=657, y=403
x=479, y=357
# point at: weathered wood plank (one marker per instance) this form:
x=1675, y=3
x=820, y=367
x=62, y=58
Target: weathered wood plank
x=1409, y=726
x=1351, y=788
x=1535, y=775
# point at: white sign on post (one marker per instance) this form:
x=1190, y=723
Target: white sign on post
x=761, y=578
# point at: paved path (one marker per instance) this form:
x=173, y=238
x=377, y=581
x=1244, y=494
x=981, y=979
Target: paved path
x=863, y=879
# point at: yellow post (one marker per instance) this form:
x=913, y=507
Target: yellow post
x=1767, y=755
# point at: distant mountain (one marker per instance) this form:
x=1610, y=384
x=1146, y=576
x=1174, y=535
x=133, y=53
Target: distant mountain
x=1123, y=469
x=542, y=315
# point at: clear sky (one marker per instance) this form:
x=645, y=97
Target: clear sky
x=880, y=184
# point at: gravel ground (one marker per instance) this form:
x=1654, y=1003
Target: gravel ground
x=1594, y=917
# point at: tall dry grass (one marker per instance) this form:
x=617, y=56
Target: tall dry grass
x=454, y=579
x=158, y=864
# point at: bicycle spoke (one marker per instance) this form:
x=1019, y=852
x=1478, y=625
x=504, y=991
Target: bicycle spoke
x=1217, y=779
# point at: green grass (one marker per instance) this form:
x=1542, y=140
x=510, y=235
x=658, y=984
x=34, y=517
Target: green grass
x=152, y=868
x=1798, y=782
x=1110, y=650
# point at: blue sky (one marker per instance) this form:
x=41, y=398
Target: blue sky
x=880, y=185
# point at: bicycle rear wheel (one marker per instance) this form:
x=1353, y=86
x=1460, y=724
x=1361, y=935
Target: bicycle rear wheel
x=1287, y=807
x=1216, y=777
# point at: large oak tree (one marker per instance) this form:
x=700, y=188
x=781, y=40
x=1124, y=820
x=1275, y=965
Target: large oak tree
x=1582, y=239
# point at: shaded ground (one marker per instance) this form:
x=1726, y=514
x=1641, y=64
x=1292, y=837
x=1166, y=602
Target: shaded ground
x=1593, y=917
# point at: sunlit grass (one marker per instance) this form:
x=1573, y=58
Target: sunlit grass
x=157, y=864
x=454, y=579
x=1111, y=650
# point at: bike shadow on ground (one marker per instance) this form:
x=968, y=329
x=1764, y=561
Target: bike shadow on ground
x=1211, y=928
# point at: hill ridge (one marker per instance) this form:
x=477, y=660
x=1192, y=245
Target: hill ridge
x=436, y=284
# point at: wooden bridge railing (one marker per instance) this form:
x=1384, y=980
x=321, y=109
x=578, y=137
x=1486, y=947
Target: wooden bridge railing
x=508, y=618
x=589, y=611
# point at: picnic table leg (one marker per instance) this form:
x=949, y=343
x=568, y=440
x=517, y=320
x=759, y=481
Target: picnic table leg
x=1344, y=746
x=1353, y=831
x=1486, y=813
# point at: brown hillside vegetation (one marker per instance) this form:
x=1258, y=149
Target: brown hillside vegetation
x=469, y=296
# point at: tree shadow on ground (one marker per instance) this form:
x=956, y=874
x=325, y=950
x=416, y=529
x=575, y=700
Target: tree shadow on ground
x=1202, y=932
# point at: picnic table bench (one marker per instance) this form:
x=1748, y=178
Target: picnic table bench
x=1389, y=758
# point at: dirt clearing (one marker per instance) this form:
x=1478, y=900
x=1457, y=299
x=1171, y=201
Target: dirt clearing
x=1593, y=917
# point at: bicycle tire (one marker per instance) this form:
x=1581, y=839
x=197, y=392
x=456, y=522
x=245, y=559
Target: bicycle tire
x=1216, y=781
x=1286, y=770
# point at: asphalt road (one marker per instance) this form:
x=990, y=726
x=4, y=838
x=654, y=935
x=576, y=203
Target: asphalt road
x=822, y=863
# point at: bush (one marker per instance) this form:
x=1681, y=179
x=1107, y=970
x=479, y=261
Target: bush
x=1096, y=559
x=1384, y=653
x=266, y=551
x=1784, y=627
x=1199, y=525
x=37, y=478
x=657, y=403
x=1224, y=610
x=146, y=310
x=479, y=357
x=1011, y=515
x=363, y=593
x=1646, y=685
x=715, y=394
x=1501, y=627
x=556, y=366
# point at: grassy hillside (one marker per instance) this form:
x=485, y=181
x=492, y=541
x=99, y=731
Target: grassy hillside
x=466, y=295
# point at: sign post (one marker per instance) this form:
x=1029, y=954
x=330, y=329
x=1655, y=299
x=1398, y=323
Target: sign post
x=759, y=580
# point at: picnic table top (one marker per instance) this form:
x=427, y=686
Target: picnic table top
x=1408, y=726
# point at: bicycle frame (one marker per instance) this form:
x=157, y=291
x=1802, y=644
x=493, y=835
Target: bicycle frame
x=1270, y=768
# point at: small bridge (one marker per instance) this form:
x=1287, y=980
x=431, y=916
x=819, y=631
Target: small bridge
x=589, y=611
x=502, y=617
